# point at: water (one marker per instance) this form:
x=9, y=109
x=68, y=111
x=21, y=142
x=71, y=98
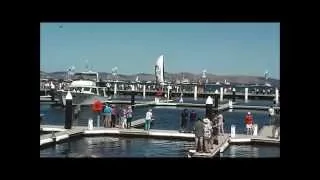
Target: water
x=250, y=151
x=140, y=147
x=166, y=118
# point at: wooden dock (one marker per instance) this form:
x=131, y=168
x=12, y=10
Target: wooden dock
x=264, y=108
x=59, y=136
x=64, y=134
x=224, y=140
x=264, y=137
x=222, y=144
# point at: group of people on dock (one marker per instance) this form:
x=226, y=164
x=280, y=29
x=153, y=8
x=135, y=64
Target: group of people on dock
x=113, y=116
x=207, y=131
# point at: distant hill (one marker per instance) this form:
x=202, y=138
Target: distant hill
x=236, y=79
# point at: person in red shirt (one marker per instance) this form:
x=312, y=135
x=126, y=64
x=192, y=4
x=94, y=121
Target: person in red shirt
x=249, y=123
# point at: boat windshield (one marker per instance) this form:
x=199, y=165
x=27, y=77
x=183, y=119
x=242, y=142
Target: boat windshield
x=86, y=76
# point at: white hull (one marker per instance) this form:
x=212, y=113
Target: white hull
x=159, y=70
x=80, y=98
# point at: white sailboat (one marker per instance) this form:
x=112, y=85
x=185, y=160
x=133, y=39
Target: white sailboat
x=159, y=71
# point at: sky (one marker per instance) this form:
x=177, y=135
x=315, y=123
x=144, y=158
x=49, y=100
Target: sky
x=219, y=48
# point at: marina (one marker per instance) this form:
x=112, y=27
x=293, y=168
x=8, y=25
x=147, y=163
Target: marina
x=202, y=90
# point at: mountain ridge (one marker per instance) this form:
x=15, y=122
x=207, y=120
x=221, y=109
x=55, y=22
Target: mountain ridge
x=238, y=79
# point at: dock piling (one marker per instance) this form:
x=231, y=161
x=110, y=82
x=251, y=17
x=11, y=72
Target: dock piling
x=209, y=110
x=115, y=89
x=277, y=96
x=144, y=91
x=221, y=93
x=233, y=94
x=90, y=124
x=132, y=99
x=246, y=94
x=216, y=100
x=68, y=112
x=233, y=131
x=255, y=130
x=195, y=92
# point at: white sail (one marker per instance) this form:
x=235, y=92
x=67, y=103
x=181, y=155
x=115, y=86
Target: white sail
x=159, y=70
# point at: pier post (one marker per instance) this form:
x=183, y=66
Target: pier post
x=90, y=124
x=144, y=91
x=216, y=100
x=233, y=94
x=221, y=94
x=230, y=104
x=255, y=129
x=233, y=131
x=98, y=119
x=195, y=92
x=68, y=112
x=132, y=99
x=209, y=110
x=132, y=87
x=115, y=89
x=246, y=94
x=52, y=91
x=277, y=96
x=168, y=96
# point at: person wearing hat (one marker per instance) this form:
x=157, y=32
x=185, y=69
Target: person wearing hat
x=249, y=123
x=199, y=133
x=207, y=134
x=148, y=120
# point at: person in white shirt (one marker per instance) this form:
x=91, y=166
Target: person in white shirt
x=148, y=120
x=220, y=123
x=271, y=115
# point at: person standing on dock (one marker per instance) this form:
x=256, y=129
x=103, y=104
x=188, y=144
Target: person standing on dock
x=207, y=134
x=184, y=120
x=107, y=113
x=249, y=123
x=148, y=120
x=271, y=115
x=199, y=133
x=123, y=117
x=220, y=123
x=276, y=125
x=113, y=116
x=129, y=117
x=193, y=117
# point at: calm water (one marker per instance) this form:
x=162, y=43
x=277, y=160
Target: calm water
x=166, y=118
x=139, y=147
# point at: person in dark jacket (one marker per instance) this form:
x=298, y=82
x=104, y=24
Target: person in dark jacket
x=193, y=118
x=184, y=119
x=199, y=134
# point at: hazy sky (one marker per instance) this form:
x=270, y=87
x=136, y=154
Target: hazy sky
x=220, y=48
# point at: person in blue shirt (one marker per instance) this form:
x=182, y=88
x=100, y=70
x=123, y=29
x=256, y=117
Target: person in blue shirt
x=107, y=114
